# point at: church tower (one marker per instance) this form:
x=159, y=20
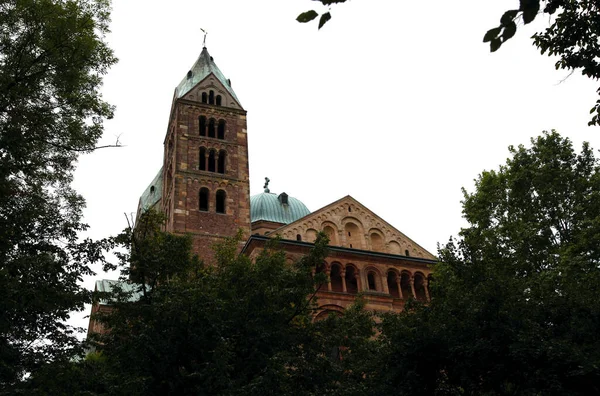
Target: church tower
x=206, y=191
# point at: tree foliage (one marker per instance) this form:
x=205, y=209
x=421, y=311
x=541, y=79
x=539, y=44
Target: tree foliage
x=52, y=58
x=241, y=327
x=515, y=307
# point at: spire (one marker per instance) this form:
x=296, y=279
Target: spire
x=204, y=66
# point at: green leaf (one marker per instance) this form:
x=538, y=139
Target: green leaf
x=307, y=16
x=530, y=10
x=495, y=44
x=324, y=18
x=509, y=31
x=508, y=16
x=492, y=34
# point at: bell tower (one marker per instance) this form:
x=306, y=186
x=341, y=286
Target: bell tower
x=206, y=191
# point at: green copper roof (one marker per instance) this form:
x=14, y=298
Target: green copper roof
x=152, y=193
x=204, y=66
x=272, y=207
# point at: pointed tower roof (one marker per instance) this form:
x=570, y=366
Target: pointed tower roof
x=203, y=67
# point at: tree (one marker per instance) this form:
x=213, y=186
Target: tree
x=52, y=58
x=573, y=34
x=240, y=327
x=514, y=305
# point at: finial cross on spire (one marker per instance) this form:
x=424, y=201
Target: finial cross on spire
x=204, y=41
x=266, y=187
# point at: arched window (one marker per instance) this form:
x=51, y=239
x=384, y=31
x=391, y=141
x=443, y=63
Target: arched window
x=203, y=200
x=222, y=158
x=298, y=237
x=351, y=281
x=218, y=100
x=406, y=253
x=354, y=239
x=371, y=281
x=211, y=161
x=221, y=129
x=211, y=97
x=211, y=128
x=202, y=159
x=204, y=97
x=405, y=285
x=221, y=195
x=331, y=234
x=429, y=280
x=377, y=243
x=336, y=278
x=202, y=125
x=392, y=280
x=318, y=270
x=420, y=287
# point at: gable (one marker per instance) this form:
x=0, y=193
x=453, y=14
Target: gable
x=350, y=224
x=212, y=83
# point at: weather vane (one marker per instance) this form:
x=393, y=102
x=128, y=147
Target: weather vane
x=266, y=187
x=204, y=41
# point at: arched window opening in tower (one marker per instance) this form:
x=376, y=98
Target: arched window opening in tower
x=203, y=206
x=202, y=159
x=221, y=130
x=371, y=281
x=336, y=278
x=420, y=287
x=405, y=285
x=218, y=100
x=211, y=97
x=222, y=159
x=204, y=97
x=211, y=128
x=202, y=125
x=407, y=253
x=392, y=280
x=211, y=160
x=351, y=281
x=221, y=195
x=298, y=237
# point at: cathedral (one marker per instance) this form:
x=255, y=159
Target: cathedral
x=203, y=189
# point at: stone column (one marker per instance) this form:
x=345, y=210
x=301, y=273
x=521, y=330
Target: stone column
x=328, y=273
x=399, y=286
x=358, y=283
x=385, y=287
x=426, y=285
x=412, y=287
x=343, y=274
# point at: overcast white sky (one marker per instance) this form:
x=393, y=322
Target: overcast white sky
x=396, y=103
